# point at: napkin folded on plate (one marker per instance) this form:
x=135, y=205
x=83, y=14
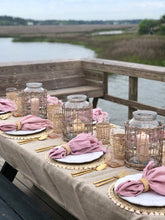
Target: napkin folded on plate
x=152, y=179
x=98, y=115
x=81, y=144
x=7, y=105
x=27, y=123
x=53, y=100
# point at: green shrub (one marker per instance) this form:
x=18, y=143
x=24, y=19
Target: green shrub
x=162, y=29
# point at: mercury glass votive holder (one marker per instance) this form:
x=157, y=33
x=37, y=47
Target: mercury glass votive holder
x=118, y=142
x=54, y=114
x=103, y=130
x=11, y=93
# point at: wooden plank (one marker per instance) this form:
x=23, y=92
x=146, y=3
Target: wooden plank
x=93, y=74
x=125, y=68
x=133, y=93
x=90, y=91
x=41, y=199
x=94, y=83
x=134, y=104
x=7, y=212
x=64, y=83
x=19, y=202
x=105, y=83
x=39, y=66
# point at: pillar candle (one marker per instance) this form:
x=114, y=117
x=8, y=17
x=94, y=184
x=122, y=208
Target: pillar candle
x=35, y=106
x=142, y=149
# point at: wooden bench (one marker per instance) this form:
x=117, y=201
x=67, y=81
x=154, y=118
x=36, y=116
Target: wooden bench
x=60, y=78
x=14, y=204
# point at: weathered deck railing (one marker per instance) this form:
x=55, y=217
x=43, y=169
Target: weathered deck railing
x=134, y=71
x=89, y=76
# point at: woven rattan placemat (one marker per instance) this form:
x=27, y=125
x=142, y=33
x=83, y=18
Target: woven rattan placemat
x=158, y=211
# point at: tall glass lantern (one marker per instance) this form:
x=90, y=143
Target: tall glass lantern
x=77, y=116
x=144, y=139
x=35, y=100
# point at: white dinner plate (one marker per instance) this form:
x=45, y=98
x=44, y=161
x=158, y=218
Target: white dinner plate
x=82, y=158
x=1, y=112
x=20, y=132
x=145, y=199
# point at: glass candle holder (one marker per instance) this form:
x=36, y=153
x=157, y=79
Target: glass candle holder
x=77, y=116
x=11, y=93
x=19, y=106
x=54, y=114
x=144, y=140
x=118, y=140
x=35, y=100
x=103, y=130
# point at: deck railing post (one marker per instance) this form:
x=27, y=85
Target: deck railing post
x=105, y=83
x=133, y=93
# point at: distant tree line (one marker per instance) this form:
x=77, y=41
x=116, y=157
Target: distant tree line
x=9, y=20
x=151, y=26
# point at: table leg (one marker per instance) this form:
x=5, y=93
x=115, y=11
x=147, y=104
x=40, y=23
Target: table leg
x=8, y=171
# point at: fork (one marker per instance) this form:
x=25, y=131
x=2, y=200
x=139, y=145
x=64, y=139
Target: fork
x=110, y=179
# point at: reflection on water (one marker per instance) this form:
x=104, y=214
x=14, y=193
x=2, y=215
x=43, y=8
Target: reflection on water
x=108, y=32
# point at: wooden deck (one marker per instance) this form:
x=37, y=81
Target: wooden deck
x=39, y=197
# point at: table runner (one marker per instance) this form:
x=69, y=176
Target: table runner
x=77, y=195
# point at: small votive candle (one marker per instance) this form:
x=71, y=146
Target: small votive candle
x=35, y=106
x=78, y=126
x=142, y=148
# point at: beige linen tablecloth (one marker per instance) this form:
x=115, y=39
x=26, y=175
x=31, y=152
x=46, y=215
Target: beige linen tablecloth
x=77, y=195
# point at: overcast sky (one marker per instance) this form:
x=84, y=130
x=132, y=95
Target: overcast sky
x=83, y=9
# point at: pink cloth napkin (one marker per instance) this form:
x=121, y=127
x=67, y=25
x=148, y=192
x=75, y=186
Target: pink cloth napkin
x=7, y=105
x=81, y=144
x=98, y=115
x=155, y=177
x=53, y=100
x=29, y=122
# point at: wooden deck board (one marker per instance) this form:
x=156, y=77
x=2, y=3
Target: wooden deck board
x=90, y=90
x=39, y=197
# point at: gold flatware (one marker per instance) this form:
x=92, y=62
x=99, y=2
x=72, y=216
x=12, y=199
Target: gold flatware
x=38, y=150
x=5, y=116
x=110, y=179
x=41, y=149
x=98, y=168
x=41, y=138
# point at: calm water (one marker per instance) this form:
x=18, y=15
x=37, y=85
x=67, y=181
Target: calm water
x=108, y=32
x=150, y=92
x=20, y=51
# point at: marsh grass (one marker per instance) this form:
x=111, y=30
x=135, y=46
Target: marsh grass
x=126, y=47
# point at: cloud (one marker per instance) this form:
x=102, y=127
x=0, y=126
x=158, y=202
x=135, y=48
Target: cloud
x=83, y=9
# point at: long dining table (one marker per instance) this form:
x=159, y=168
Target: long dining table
x=78, y=195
